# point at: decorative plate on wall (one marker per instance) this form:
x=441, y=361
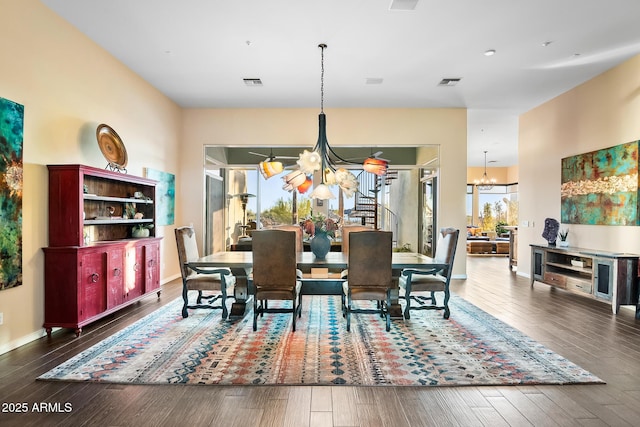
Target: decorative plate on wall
x=112, y=148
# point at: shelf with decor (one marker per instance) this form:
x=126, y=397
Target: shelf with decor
x=95, y=264
x=606, y=276
x=89, y=204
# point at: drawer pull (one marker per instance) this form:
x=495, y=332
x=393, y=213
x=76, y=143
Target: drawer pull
x=94, y=278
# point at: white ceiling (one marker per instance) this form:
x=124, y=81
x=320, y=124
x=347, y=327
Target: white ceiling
x=198, y=52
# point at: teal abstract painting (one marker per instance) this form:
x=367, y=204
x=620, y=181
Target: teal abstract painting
x=11, y=130
x=165, y=195
x=601, y=187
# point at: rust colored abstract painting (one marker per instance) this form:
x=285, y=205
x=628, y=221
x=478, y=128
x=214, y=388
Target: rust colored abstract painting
x=601, y=187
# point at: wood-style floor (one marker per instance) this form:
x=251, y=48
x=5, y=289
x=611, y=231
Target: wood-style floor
x=578, y=328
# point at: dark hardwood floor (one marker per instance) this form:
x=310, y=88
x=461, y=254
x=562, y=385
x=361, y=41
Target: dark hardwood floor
x=580, y=329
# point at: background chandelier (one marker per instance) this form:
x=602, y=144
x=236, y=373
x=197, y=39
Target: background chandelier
x=485, y=183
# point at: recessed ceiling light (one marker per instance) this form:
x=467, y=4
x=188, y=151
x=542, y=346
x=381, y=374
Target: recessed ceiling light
x=545, y=44
x=489, y=52
x=403, y=4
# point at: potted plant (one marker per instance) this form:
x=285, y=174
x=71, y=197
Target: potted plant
x=563, y=234
x=141, y=230
x=500, y=230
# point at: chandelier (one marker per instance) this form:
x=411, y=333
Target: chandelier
x=485, y=183
x=323, y=158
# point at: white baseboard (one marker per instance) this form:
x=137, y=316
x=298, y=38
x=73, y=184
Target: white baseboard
x=170, y=279
x=5, y=348
x=12, y=345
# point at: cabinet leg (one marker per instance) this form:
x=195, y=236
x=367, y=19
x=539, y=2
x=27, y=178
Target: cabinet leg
x=78, y=332
x=158, y=294
x=48, y=332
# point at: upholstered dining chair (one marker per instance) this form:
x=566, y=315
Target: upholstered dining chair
x=218, y=280
x=370, y=276
x=274, y=273
x=346, y=229
x=431, y=280
x=299, y=240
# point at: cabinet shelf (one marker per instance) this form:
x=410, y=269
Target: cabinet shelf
x=88, y=204
x=112, y=221
x=117, y=199
x=569, y=267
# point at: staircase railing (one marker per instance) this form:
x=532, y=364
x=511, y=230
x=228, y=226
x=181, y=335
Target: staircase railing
x=367, y=208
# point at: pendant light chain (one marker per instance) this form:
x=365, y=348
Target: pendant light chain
x=322, y=47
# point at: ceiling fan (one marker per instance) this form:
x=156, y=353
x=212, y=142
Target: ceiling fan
x=271, y=157
x=375, y=155
x=270, y=166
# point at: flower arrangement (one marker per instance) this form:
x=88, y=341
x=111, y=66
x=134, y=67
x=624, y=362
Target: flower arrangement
x=319, y=223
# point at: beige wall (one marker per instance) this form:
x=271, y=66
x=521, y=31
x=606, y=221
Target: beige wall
x=68, y=85
x=502, y=175
x=347, y=127
x=600, y=113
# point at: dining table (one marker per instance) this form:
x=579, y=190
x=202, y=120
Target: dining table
x=240, y=263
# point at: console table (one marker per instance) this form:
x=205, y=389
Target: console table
x=606, y=276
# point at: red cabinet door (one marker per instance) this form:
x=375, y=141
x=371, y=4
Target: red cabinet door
x=92, y=295
x=115, y=277
x=135, y=272
x=152, y=266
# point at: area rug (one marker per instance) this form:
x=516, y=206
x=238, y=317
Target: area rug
x=470, y=348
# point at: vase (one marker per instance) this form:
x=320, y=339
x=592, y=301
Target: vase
x=140, y=232
x=320, y=245
x=563, y=243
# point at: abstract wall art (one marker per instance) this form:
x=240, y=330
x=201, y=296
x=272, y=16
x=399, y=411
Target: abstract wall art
x=165, y=195
x=601, y=187
x=11, y=131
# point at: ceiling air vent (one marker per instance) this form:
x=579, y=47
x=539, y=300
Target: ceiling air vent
x=252, y=82
x=449, y=82
x=373, y=81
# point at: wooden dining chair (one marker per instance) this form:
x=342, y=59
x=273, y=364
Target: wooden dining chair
x=274, y=273
x=218, y=280
x=431, y=279
x=370, y=279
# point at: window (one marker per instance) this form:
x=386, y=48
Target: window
x=470, y=204
x=496, y=206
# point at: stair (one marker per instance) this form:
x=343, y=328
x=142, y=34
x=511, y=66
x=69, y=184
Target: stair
x=367, y=207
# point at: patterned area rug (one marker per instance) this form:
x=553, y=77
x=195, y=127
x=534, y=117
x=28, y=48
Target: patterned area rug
x=471, y=348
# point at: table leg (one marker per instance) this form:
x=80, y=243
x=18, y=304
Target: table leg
x=395, y=311
x=241, y=293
